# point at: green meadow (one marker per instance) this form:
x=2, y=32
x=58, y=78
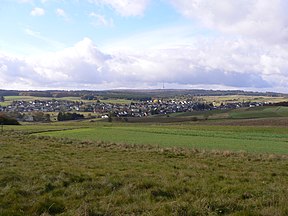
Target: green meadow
x=241, y=113
x=203, y=167
x=249, y=139
x=240, y=98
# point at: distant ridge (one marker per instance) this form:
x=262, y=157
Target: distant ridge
x=126, y=93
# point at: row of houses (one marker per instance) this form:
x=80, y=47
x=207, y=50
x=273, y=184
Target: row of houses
x=133, y=109
x=43, y=106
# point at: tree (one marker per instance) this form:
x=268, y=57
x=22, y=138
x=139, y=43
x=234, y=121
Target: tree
x=60, y=116
x=41, y=117
x=5, y=120
x=69, y=116
x=2, y=99
x=88, y=97
x=110, y=117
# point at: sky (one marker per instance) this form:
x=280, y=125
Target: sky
x=143, y=44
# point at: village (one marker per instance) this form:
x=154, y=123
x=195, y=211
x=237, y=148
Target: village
x=102, y=109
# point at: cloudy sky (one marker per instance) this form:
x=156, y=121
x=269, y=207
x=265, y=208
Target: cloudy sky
x=115, y=44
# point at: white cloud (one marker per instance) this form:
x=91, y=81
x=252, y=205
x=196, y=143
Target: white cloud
x=81, y=64
x=32, y=1
x=173, y=36
x=237, y=64
x=25, y=1
x=37, y=35
x=246, y=49
x=37, y=12
x=126, y=7
x=60, y=12
x=32, y=33
x=262, y=19
x=100, y=20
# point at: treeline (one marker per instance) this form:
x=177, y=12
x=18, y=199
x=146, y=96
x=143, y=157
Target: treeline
x=170, y=93
x=28, y=116
x=284, y=103
x=51, y=94
x=9, y=93
x=137, y=94
x=12, y=118
x=62, y=116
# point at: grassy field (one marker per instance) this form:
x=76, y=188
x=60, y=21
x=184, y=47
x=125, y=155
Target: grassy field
x=260, y=112
x=117, y=101
x=250, y=139
x=10, y=99
x=57, y=176
x=257, y=135
x=241, y=113
x=240, y=98
x=212, y=167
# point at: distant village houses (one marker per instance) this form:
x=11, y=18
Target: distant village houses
x=133, y=109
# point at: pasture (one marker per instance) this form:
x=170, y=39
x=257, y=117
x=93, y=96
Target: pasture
x=240, y=113
x=42, y=175
x=212, y=167
x=240, y=98
x=248, y=139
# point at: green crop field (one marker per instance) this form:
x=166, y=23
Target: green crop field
x=10, y=99
x=260, y=112
x=24, y=98
x=5, y=103
x=240, y=113
x=117, y=101
x=240, y=98
x=251, y=139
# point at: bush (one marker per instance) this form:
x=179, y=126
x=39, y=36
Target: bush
x=5, y=120
x=62, y=116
